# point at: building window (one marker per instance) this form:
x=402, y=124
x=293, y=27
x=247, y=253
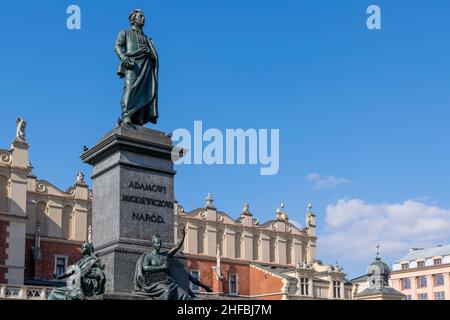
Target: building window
x=234, y=285
x=408, y=297
x=438, y=280
x=437, y=262
x=406, y=283
x=196, y=275
x=60, y=265
x=422, y=296
x=439, y=295
x=337, y=289
x=422, y=282
x=420, y=264
x=405, y=266
x=304, y=286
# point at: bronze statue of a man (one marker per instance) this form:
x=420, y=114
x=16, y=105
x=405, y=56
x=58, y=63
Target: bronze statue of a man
x=139, y=67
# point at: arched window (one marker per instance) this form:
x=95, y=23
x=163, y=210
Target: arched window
x=289, y=252
x=256, y=247
x=201, y=240
x=41, y=216
x=68, y=223
x=237, y=245
x=4, y=199
x=272, y=244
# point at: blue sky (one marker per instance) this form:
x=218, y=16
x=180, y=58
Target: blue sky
x=366, y=111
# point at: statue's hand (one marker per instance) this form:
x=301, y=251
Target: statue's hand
x=145, y=50
x=148, y=51
x=128, y=63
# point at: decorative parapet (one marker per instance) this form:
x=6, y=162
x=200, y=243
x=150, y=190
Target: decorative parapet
x=224, y=218
x=45, y=187
x=14, y=292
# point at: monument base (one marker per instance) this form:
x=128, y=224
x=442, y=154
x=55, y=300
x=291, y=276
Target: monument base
x=133, y=199
x=120, y=265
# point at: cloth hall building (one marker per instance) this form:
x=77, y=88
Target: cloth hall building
x=43, y=227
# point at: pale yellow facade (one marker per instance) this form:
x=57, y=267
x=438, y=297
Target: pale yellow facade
x=274, y=242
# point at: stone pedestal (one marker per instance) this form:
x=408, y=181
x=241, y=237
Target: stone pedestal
x=133, y=198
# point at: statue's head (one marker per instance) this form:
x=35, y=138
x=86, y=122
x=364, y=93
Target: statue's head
x=87, y=248
x=156, y=242
x=137, y=18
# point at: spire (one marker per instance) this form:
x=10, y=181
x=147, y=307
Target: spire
x=310, y=221
x=246, y=210
x=281, y=214
x=378, y=257
x=209, y=202
x=80, y=178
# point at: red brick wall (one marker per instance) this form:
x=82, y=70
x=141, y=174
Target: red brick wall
x=45, y=268
x=3, y=246
x=264, y=283
x=252, y=281
x=207, y=273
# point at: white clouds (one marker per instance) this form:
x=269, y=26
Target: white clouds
x=354, y=227
x=327, y=182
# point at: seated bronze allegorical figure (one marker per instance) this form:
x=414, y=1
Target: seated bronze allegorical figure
x=153, y=277
x=84, y=279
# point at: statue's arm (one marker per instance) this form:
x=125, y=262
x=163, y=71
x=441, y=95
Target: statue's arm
x=63, y=276
x=149, y=268
x=153, y=269
x=179, y=244
x=200, y=284
x=94, y=271
x=119, y=47
x=154, y=53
